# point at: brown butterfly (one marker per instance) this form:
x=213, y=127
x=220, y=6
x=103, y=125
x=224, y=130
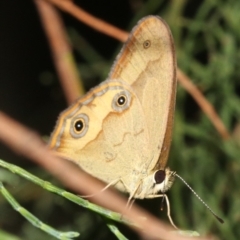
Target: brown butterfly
x=120, y=131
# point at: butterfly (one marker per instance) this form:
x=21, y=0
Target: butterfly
x=120, y=131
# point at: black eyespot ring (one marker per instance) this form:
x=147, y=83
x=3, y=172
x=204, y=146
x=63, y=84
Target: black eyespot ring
x=79, y=125
x=146, y=44
x=159, y=176
x=121, y=101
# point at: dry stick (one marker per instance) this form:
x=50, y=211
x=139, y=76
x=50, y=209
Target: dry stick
x=88, y=19
x=29, y=144
x=122, y=36
x=61, y=50
x=203, y=103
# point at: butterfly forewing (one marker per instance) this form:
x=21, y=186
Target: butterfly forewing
x=147, y=62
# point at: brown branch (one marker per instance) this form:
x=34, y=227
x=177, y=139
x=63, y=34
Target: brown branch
x=122, y=36
x=61, y=50
x=88, y=19
x=203, y=103
x=29, y=144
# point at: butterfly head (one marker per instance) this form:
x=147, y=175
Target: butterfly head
x=163, y=180
x=155, y=184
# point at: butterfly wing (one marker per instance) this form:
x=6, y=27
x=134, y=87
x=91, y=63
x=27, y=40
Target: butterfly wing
x=147, y=63
x=112, y=132
x=112, y=141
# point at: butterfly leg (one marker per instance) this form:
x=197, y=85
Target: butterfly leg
x=168, y=207
x=130, y=202
x=169, y=211
x=102, y=190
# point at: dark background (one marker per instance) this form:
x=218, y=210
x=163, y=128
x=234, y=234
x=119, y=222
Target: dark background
x=207, y=42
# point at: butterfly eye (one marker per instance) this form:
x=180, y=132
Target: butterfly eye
x=79, y=125
x=159, y=176
x=146, y=44
x=121, y=101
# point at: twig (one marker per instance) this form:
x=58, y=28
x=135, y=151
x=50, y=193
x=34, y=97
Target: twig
x=88, y=19
x=203, y=103
x=29, y=144
x=61, y=50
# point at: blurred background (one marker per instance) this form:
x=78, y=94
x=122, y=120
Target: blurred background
x=207, y=39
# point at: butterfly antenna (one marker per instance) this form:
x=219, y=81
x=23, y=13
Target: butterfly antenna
x=213, y=213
